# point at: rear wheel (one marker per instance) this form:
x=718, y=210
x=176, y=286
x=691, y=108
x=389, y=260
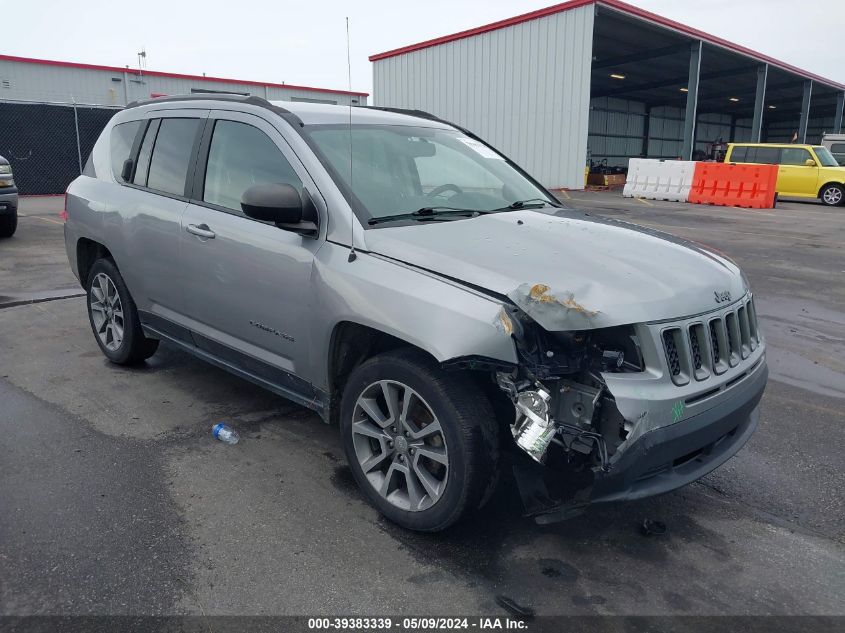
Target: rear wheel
x=421, y=442
x=832, y=195
x=114, y=317
x=8, y=224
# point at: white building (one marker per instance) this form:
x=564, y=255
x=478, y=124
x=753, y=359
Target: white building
x=49, y=81
x=603, y=80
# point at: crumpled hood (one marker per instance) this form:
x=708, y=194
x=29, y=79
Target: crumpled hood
x=569, y=270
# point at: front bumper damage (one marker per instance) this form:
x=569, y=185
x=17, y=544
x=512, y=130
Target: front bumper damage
x=629, y=412
x=658, y=461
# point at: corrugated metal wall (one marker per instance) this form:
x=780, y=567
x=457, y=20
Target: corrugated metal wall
x=782, y=131
x=616, y=130
x=24, y=81
x=617, y=127
x=524, y=89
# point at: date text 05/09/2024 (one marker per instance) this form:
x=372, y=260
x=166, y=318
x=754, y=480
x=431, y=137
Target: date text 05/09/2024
x=418, y=624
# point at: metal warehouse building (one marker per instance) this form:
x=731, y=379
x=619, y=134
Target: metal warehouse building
x=51, y=112
x=603, y=80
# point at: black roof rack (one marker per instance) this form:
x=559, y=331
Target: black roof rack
x=420, y=114
x=289, y=116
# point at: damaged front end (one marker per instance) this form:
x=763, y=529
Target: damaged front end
x=596, y=408
x=564, y=411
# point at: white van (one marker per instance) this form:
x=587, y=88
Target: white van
x=835, y=143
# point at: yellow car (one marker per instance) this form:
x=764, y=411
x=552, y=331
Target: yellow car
x=804, y=171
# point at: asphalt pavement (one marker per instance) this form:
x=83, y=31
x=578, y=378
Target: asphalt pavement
x=115, y=499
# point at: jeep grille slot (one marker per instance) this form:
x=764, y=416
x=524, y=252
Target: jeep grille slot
x=677, y=355
x=752, y=324
x=732, y=329
x=714, y=343
x=744, y=332
x=672, y=353
x=696, y=348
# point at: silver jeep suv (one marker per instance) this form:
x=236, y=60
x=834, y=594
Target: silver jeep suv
x=405, y=280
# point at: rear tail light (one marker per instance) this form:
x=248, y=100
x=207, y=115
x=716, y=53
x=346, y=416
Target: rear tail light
x=63, y=213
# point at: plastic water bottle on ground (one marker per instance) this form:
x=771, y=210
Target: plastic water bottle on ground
x=224, y=433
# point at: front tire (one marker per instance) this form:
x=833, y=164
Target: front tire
x=8, y=224
x=422, y=443
x=114, y=317
x=832, y=195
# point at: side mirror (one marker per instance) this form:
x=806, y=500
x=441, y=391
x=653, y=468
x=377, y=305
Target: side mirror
x=280, y=204
x=126, y=171
x=810, y=162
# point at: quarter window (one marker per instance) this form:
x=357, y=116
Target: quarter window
x=143, y=163
x=172, y=155
x=794, y=156
x=738, y=154
x=241, y=156
x=120, y=145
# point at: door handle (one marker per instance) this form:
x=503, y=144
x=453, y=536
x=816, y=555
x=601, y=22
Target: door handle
x=201, y=230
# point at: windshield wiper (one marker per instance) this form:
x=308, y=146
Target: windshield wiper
x=441, y=211
x=425, y=213
x=532, y=203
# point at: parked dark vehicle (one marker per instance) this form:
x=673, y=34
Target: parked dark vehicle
x=408, y=282
x=8, y=200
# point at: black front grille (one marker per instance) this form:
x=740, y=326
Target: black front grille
x=696, y=349
x=714, y=343
x=672, y=353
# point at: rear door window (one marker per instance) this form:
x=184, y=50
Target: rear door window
x=763, y=155
x=120, y=145
x=172, y=154
x=794, y=156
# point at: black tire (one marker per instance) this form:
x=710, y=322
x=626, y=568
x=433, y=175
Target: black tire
x=8, y=224
x=468, y=426
x=832, y=195
x=134, y=347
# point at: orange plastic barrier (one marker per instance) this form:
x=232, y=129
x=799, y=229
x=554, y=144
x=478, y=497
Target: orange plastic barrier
x=726, y=184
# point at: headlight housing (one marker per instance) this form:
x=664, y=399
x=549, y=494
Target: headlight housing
x=5, y=170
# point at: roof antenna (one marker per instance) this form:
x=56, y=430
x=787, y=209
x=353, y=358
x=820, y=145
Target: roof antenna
x=352, y=255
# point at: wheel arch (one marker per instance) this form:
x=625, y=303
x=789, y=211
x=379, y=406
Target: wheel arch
x=828, y=184
x=350, y=345
x=89, y=251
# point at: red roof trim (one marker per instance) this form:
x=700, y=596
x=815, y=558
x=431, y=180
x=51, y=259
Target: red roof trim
x=493, y=26
x=158, y=73
x=617, y=5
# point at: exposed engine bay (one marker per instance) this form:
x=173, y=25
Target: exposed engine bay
x=564, y=412
x=561, y=401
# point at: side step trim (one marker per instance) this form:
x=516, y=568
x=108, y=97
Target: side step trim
x=316, y=403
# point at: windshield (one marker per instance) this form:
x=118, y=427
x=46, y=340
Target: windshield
x=402, y=169
x=825, y=157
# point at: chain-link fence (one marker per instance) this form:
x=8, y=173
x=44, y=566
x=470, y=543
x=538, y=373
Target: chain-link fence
x=48, y=144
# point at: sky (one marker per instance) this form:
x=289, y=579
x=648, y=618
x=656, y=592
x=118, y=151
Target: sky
x=305, y=42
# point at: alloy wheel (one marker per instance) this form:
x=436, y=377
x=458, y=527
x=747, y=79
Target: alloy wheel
x=106, y=312
x=832, y=196
x=400, y=445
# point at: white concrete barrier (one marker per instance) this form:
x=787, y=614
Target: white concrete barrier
x=659, y=179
